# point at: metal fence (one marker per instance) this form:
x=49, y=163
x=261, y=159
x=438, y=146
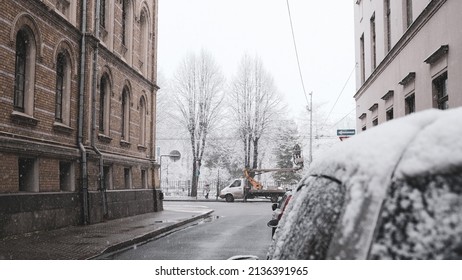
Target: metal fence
x=182, y=188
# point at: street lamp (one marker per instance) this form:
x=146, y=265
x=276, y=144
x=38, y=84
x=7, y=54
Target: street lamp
x=173, y=155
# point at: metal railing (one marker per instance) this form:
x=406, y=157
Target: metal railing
x=182, y=188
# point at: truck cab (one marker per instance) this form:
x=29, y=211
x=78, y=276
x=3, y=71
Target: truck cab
x=234, y=190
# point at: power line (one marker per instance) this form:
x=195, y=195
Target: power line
x=344, y=117
x=340, y=94
x=296, y=53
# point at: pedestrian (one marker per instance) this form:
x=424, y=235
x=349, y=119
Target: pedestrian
x=207, y=191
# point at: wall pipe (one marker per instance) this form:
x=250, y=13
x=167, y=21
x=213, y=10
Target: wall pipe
x=102, y=187
x=83, y=162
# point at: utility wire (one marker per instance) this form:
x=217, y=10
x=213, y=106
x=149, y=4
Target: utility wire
x=341, y=92
x=296, y=53
x=343, y=117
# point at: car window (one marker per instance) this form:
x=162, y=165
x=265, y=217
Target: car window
x=236, y=183
x=307, y=227
x=421, y=219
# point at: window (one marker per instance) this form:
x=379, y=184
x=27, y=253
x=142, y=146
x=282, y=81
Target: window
x=107, y=177
x=102, y=13
x=387, y=13
x=124, y=22
x=127, y=178
x=66, y=176
x=373, y=44
x=362, y=59
x=389, y=114
x=313, y=225
x=104, y=98
x=63, y=6
x=144, y=41
x=125, y=114
x=236, y=183
x=440, y=85
x=142, y=122
x=60, y=65
x=28, y=175
x=144, y=179
x=408, y=15
x=375, y=122
x=409, y=104
x=63, y=87
x=20, y=71
x=127, y=30
x=364, y=128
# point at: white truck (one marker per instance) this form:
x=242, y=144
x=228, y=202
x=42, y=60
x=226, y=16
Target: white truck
x=236, y=190
x=248, y=187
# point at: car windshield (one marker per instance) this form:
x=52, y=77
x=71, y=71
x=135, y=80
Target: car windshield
x=307, y=228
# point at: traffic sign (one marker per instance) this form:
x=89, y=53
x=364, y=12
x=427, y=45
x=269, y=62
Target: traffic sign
x=346, y=132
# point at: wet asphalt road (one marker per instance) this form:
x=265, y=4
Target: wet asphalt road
x=233, y=229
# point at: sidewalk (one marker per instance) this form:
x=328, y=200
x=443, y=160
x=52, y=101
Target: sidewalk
x=86, y=242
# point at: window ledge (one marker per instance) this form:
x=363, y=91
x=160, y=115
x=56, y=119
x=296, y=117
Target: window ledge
x=142, y=148
x=124, y=143
x=374, y=107
x=406, y=80
x=23, y=118
x=388, y=95
x=439, y=53
x=104, y=138
x=62, y=127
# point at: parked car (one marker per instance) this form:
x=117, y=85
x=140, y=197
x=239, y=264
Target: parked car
x=391, y=192
x=278, y=210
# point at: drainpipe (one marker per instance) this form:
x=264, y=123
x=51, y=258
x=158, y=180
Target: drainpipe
x=102, y=187
x=83, y=162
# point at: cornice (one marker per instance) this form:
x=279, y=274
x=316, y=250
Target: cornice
x=410, y=33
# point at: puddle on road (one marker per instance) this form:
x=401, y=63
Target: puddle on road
x=208, y=219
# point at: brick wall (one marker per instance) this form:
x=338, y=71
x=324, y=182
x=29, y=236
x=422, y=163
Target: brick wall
x=49, y=175
x=48, y=143
x=9, y=173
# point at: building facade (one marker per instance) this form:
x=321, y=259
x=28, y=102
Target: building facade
x=77, y=112
x=409, y=58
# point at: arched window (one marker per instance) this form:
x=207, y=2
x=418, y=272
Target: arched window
x=63, y=88
x=20, y=71
x=144, y=41
x=104, y=105
x=125, y=114
x=60, y=66
x=142, y=122
x=127, y=29
x=24, y=79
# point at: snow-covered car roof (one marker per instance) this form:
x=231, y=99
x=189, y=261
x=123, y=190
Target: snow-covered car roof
x=365, y=165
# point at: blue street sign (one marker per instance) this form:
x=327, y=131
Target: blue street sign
x=346, y=132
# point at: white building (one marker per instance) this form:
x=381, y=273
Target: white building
x=409, y=58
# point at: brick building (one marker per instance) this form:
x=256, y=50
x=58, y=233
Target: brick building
x=77, y=112
x=409, y=57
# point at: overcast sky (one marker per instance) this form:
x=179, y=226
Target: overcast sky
x=324, y=32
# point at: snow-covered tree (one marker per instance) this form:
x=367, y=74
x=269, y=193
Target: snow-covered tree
x=255, y=104
x=286, y=138
x=198, y=94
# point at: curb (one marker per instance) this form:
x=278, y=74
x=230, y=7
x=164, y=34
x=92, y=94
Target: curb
x=149, y=235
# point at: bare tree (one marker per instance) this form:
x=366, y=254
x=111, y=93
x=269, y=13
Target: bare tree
x=255, y=103
x=198, y=93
